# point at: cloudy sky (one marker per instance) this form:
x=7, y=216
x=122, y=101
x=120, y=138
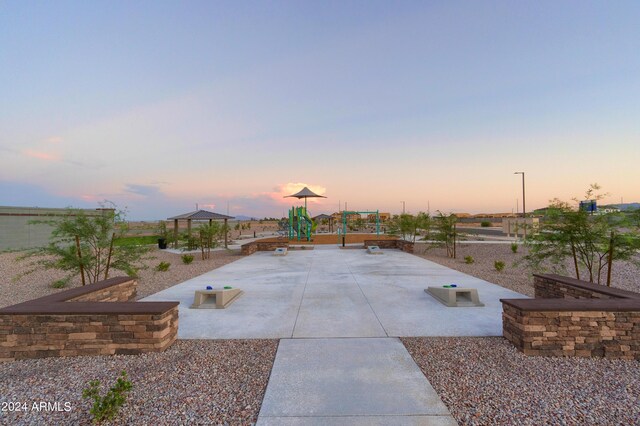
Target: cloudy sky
x=158, y=106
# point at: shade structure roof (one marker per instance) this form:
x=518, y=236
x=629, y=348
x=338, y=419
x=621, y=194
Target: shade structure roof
x=305, y=193
x=323, y=216
x=201, y=215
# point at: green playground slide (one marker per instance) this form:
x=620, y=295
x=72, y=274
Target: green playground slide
x=314, y=225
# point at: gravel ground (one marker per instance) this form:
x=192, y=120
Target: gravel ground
x=38, y=284
x=517, y=278
x=486, y=381
x=193, y=382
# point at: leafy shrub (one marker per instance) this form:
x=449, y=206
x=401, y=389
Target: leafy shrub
x=59, y=283
x=499, y=265
x=187, y=259
x=469, y=260
x=514, y=247
x=163, y=266
x=106, y=407
x=485, y=224
x=87, y=246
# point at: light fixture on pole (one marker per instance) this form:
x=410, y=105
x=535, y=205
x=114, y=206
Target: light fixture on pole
x=524, y=209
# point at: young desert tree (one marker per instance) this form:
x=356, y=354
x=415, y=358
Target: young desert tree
x=423, y=225
x=403, y=225
x=210, y=235
x=446, y=233
x=83, y=245
x=591, y=242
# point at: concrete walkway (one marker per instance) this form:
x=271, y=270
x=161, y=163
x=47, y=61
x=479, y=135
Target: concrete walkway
x=338, y=313
x=349, y=381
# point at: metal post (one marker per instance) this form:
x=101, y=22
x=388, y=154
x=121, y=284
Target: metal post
x=378, y=222
x=226, y=234
x=344, y=225
x=175, y=233
x=524, y=209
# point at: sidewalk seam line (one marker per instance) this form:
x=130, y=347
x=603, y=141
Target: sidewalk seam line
x=367, y=299
x=295, y=324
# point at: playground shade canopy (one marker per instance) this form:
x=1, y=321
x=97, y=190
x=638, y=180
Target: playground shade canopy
x=305, y=193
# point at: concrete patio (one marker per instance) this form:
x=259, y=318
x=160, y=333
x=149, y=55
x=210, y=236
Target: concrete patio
x=329, y=292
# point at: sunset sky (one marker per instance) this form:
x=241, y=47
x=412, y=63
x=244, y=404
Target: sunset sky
x=158, y=105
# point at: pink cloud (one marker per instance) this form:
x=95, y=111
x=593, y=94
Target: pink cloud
x=88, y=197
x=54, y=139
x=41, y=155
x=289, y=188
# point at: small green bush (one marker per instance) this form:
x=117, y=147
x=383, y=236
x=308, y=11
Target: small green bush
x=514, y=247
x=107, y=406
x=469, y=260
x=499, y=265
x=163, y=266
x=485, y=224
x=59, y=284
x=187, y=259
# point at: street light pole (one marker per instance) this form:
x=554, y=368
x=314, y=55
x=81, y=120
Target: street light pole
x=524, y=209
x=402, y=206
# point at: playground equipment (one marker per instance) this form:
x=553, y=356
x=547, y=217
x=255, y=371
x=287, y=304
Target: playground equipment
x=346, y=213
x=300, y=223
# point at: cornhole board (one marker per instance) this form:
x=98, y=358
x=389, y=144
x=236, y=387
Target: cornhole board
x=280, y=251
x=215, y=299
x=455, y=297
x=374, y=250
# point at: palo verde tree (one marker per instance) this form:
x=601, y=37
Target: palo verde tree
x=446, y=233
x=409, y=226
x=84, y=245
x=210, y=235
x=592, y=242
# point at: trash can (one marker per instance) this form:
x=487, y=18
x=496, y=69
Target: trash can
x=162, y=243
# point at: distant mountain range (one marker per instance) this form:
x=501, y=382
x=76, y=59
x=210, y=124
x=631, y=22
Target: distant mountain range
x=625, y=206
x=243, y=217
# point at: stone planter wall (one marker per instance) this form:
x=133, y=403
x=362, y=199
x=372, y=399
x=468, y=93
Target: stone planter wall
x=547, y=287
x=403, y=245
x=576, y=318
x=252, y=247
x=78, y=322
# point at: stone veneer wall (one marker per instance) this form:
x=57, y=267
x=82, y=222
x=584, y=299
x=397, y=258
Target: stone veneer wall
x=120, y=292
x=78, y=322
x=403, y=245
x=547, y=287
x=255, y=246
x=575, y=318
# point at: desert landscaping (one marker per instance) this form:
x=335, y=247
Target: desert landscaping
x=482, y=380
x=319, y=213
